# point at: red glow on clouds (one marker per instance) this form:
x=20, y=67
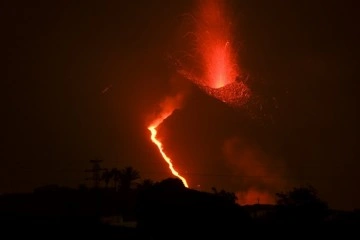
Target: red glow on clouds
x=167, y=108
x=254, y=196
x=258, y=176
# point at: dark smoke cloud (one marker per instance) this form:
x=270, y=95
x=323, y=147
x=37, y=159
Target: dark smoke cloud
x=257, y=177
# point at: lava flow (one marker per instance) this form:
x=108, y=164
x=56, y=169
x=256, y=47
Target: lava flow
x=153, y=129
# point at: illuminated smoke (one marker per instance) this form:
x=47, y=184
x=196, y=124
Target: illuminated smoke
x=214, y=65
x=256, y=175
x=167, y=108
x=255, y=196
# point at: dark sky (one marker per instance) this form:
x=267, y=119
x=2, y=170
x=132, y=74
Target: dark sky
x=58, y=57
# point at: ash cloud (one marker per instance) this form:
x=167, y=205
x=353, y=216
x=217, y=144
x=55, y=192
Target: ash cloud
x=256, y=176
x=174, y=100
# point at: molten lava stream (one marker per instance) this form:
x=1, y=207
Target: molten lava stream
x=152, y=129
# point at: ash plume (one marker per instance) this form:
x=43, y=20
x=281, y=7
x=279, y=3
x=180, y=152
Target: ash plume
x=257, y=177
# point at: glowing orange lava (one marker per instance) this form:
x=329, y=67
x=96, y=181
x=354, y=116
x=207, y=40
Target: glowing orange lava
x=213, y=65
x=152, y=129
x=214, y=44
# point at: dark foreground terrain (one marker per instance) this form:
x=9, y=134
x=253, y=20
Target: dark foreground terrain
x=165, y=210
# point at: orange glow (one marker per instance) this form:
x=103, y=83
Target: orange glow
x=214, y=40
x=152, y=129
x=254, y=196
x=213, y=65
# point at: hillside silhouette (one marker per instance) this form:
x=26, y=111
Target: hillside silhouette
x=121, y=204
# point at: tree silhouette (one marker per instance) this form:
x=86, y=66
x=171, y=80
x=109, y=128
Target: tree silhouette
x=229, y=196
x=106, y=177
x=301, y=204
x=146, y=184
x=127, y=177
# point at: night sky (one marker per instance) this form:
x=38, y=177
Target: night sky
x=81, y=79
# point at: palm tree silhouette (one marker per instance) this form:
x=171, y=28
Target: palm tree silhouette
x=127, y=177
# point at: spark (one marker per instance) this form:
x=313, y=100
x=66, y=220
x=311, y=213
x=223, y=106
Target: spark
x=106, y=89
x=153, y=129
x=214, y=56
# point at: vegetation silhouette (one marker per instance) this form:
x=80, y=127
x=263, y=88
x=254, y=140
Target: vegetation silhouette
x=142, y=208
x=301, y=205
x=127, y=177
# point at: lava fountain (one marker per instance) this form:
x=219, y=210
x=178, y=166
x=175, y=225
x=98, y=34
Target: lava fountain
x=214, y=56
x=216, y=69
x=214, y=44
x=168, y=108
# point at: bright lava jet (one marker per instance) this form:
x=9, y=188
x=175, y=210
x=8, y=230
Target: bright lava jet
x=213, y=65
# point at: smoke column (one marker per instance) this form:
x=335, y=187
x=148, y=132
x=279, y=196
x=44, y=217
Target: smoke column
x=167, y=108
